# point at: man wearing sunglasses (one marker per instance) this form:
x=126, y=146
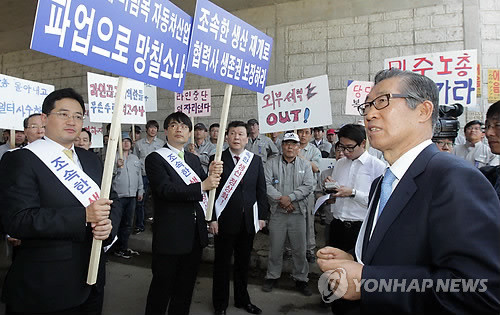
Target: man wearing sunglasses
x=425, y=225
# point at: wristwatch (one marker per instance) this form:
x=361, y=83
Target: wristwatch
x=353, y=194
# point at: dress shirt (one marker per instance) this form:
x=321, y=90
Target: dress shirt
x=72, y=149
x=359, y=175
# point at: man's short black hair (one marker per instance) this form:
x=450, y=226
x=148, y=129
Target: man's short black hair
x=252, y=122
x=337, y=144
x=138, y=129
x=50, y=100
x=152, y=123
x=320, y=128
x=472, y=123
x=354, y=132
x=179, y=117
x=494, y=111
x=238, y=123
x=25, y=122
x=216, y=125
x=88, y=132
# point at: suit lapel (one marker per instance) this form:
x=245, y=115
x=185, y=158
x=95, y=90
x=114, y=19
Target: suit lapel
x=368, y=230
x=404, y=191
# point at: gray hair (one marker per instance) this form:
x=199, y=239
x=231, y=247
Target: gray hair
x=418, y=87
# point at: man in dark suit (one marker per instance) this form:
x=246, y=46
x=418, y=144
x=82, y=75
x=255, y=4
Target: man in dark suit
x=233, y=227
x=428, y=234
x=49, y=272
x=179, y=229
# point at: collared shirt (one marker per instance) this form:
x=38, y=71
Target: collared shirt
x=143, y=148
x=75, y=156
x=479, y=154
x=204, y=150
x=263, y=146
x=322, y=145
x=400, y=167
x=311, y=153
x=359, y=175
x=234, y=155
x=175, y=150
x=127, y=180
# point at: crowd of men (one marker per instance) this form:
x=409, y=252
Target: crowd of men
x=401, y=213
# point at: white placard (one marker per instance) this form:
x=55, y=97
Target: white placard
x=326, y=163
x=356, y=95
x=295, y=105
x=94, y=128
x=102, y=94
x=20, y=98
x=150, y=99
x=194, y=103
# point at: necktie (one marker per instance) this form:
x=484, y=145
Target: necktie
x=386, y=189
x=237, y=158
x=181, y=155
x=69, y=154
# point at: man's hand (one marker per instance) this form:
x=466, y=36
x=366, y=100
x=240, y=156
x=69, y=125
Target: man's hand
x=140, y=197
x=191, y=148
x=284, y=201
x=329, y=179
x=216, y=167
x=343, y=191
x=120, y=163
x=262, y=224
x=102, y=229
x=13, y=241
x=98, y=210
x=211, y=182
x=213, y=227
x=329, y=252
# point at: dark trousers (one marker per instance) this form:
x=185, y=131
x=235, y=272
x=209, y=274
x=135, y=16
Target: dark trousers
x=343, y=234
x=225, y=244
x=174, y=277
x=141, y=205
x=125, y=229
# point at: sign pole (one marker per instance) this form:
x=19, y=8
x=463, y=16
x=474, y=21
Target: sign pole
x=192, y=132
x=120, y=145
x=133, y=133
x=107, y=175
x=220, y=142
x=12, y=138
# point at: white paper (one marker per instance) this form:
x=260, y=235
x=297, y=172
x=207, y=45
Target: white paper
x=320, y=201
x=256, y=217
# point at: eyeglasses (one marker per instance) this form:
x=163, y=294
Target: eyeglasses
x=444, y=143
x=474, y=129
x=346, y=148
x=175, y=126
x=495, y=126
x=379, y=102
x=66, y=116
x=35, y=127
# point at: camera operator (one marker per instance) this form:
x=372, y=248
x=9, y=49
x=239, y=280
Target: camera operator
x=446, y=129
x=474, y=150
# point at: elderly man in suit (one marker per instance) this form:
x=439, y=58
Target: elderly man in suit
x=425, y=227
x=178, y=183
x=240, y=210
x=47, y=212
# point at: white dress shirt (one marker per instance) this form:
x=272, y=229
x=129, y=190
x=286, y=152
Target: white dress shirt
x=359, y=175
x=75, y=156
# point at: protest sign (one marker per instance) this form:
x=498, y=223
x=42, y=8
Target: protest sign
x=295, y=105
x=150, y=98
x=194, y=103
x=357, y=91
x=493, y=85
x=453, y=71
x=95, y=130
x=20, y=98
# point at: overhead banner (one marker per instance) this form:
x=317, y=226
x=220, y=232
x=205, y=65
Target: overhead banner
x=194, y=103
x=227, y=49
x=295, y=105
x=143, y=40
x=20, y=98
x=102, y=94
x=493, y=85
x=455, y=73
x=95, y=130
x=357, y=91
x=150, y=98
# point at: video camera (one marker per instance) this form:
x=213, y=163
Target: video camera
x=448, y=125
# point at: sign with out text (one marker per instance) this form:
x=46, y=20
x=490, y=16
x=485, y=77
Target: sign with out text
x=194, y=103
x=357, y=91
x=295, y=105
x=227, y=49
x=20, y=98
x=493, y=85
x=455, y=73
x=143, y=40
x=150, y=98
x=102, y=93
x=95, y=130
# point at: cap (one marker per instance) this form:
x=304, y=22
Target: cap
x=291, y=136
x=252, y=121
x=137, y=129
x=200, y=126
x=330, y=131
x=126, y=135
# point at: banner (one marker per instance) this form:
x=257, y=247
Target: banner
x=150, y=98
x=295, y=105
x=194, y=103
x=227, y=49
x=102, y=94
x=455, y=73
x=20, y=98
x=493, y=85
x=357, y=91
x=143, y=40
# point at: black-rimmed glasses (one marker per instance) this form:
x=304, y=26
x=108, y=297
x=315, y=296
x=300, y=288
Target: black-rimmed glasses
x=379, y=102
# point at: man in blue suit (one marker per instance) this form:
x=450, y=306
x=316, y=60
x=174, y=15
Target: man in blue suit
x=427, y=233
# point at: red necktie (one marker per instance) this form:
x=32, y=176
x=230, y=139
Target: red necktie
x=237, y=158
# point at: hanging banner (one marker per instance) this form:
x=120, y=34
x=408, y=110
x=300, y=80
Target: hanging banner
x=194, y=103
x=143, y=40
x=493, y=85
x=20, y=98
x=357, y=91
x=455, y=73
x=150, y=98
x=295, y=105
x=227, y=49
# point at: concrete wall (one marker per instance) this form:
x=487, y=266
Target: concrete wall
x=346, y=39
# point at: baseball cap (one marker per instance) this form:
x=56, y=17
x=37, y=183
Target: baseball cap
x=126, y=135
x=291, y=136
x=330, y=131
x=200, y=126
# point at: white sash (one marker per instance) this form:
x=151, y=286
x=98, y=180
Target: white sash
x=184, y=171
x=69, y=174
x=233, y=181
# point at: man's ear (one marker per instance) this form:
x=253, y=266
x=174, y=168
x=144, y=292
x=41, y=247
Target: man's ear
x=425, y=110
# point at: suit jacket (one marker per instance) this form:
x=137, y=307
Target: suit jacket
x=175, y=206
x=50, y=268
x=442, y=221
x=251, y=189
